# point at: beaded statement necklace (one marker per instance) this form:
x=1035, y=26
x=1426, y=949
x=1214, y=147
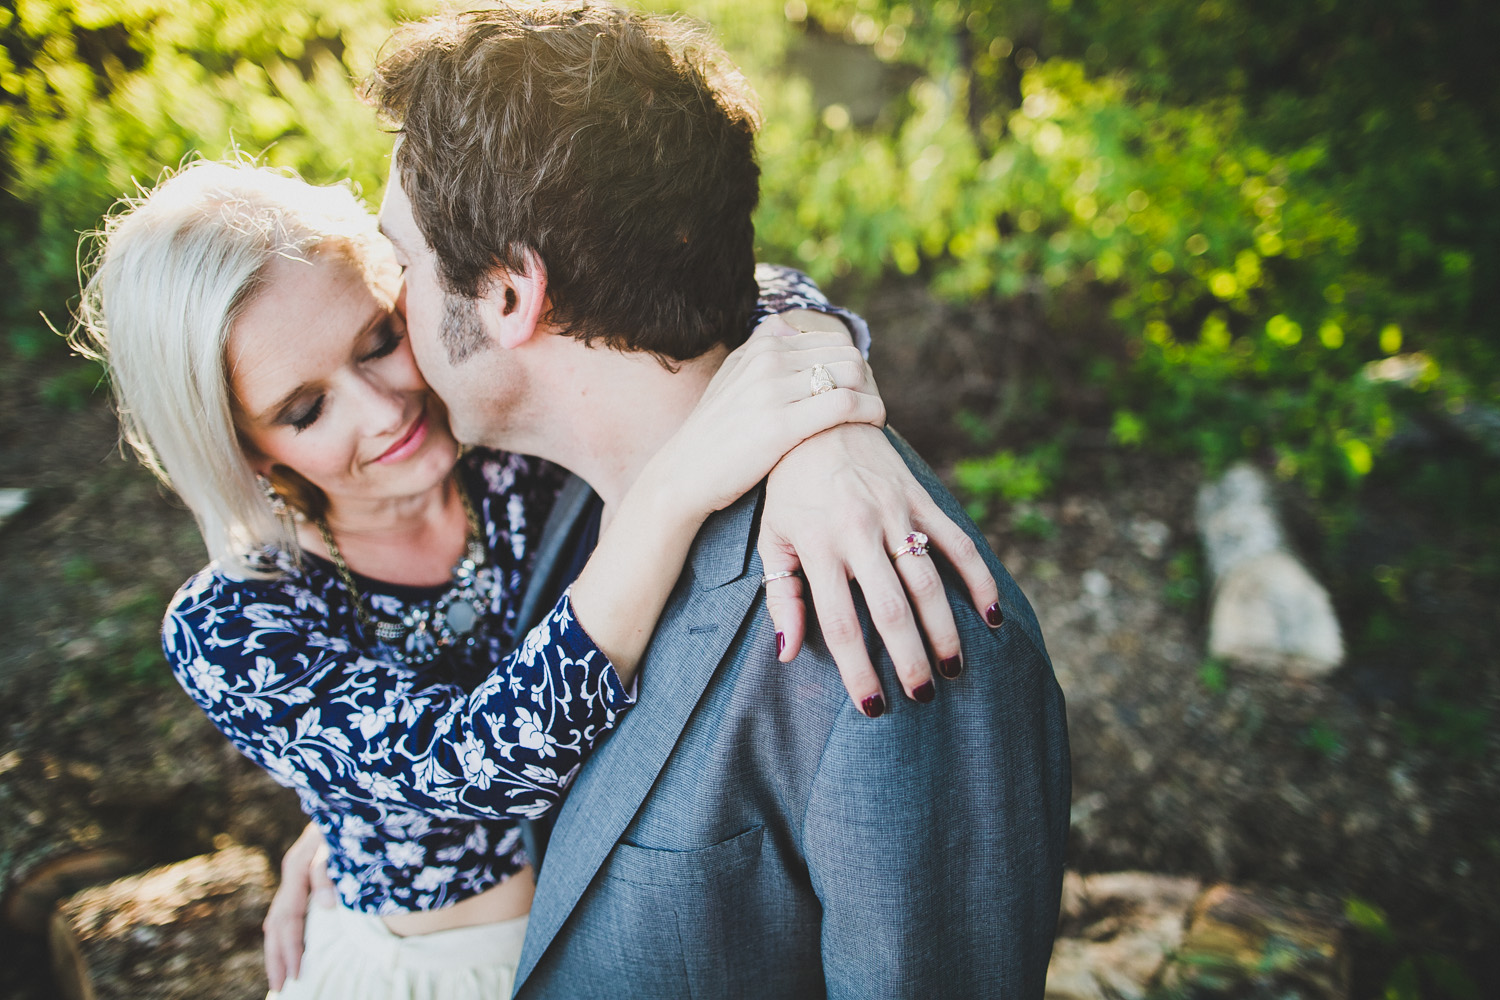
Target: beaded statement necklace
x=455, y=618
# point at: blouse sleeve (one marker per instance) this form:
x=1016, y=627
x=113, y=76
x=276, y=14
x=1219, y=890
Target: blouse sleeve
x=327, y=720
x=783, y=288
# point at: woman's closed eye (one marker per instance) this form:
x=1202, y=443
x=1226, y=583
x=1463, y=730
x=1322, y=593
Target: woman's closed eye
x=305, y=419
x=390, y=339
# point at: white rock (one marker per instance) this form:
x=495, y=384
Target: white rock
x=1150, y=536
x=12, y=502
x=1268, y=611
x=1095, y=583
x=1236, y=519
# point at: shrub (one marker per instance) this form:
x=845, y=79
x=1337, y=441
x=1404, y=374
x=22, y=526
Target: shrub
x=97, y=97
x=1271, y=197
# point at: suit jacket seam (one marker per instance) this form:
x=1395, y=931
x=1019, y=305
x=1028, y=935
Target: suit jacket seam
x=812, y=784
x=1038, y=650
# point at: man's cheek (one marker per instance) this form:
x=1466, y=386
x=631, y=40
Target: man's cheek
x=425, y=347
x=422, y=324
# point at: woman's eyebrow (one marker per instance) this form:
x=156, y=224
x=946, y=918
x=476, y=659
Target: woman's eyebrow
x=277, y=411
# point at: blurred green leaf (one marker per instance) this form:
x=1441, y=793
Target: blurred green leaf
x=1369, y=918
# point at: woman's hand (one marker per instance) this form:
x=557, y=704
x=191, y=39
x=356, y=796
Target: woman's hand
x=837, y=507
x=304, y=876
x=759, y=406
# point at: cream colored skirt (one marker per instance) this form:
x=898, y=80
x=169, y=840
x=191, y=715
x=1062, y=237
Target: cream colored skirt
x=354, y=956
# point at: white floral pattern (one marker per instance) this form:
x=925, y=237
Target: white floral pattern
x=417, y=775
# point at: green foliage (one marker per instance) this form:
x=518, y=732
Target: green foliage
x=1264, y=203
x=1032, y=523
x=1455, y=727
x=1324, y=739
x=1183, y=585
x=1369, y=918
x=97, y=97
x=1268, y=203
x=1418, y=607
x=1415, y=974
x=1006, y=476
x=1213, y=676
x=73, y=387
x=1128, y=429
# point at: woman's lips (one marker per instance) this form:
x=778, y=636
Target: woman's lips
x=409, y=443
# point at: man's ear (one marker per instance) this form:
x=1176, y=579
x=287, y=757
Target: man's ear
x=516, y=301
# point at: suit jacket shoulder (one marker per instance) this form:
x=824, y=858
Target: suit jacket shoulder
x=746, y=832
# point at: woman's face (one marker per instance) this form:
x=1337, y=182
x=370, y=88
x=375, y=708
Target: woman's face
x=324, y=380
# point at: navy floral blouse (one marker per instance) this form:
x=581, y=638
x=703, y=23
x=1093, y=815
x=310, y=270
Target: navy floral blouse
x=416, y=775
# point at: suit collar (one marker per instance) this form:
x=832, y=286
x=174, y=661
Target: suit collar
x=721, y=552
x=553, y=552
x=700, y=622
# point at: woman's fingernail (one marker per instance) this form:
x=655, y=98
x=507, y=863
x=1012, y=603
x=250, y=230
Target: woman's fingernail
x=780, y=644
x=993, y=617
x=950, y=667
x=873, y=706
x=924, y=692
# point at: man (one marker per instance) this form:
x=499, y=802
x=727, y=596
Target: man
x=571, y=198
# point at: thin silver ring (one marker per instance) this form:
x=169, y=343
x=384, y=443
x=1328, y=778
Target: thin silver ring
x=822, y=380
x=780, y=574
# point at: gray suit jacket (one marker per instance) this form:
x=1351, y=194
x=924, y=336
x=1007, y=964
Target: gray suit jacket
x=746, y=833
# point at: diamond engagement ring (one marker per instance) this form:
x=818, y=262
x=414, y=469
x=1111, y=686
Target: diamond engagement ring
x=915, y=545
x=780, y=574
x=821, y=381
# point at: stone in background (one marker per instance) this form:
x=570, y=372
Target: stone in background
x=1268, y=611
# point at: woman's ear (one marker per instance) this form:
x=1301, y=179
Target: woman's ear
x=260, y=464
x=516, y=301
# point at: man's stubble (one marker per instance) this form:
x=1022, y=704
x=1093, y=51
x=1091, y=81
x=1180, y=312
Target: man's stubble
x=461, y=331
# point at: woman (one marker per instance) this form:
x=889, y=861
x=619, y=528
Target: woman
x=350, y=635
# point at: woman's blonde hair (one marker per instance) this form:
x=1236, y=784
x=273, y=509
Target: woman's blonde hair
x=172, y=270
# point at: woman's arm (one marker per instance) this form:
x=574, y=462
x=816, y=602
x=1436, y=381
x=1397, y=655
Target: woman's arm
x=285, y=684
x=272, y=669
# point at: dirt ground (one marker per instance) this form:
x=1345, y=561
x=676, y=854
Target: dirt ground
x=1179, y=766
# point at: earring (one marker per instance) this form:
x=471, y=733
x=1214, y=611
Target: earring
x=268, y=490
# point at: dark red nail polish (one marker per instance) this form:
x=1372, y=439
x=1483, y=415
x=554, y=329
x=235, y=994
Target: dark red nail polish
x=924, y=692
x=950, y=667
x=780, y=644
x=873, y=706
x=993, y=617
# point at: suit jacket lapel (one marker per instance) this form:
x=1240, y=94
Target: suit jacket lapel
x=554, y=557
x=702, y=618
x=553, y=552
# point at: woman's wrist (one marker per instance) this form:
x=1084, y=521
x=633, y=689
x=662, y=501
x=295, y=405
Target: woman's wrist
x=619, y=595
x=808, y=320
x=669, y=496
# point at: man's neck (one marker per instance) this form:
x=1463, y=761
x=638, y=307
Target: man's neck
x=612, y=411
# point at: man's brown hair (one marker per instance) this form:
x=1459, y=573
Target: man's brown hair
x=617, y=145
